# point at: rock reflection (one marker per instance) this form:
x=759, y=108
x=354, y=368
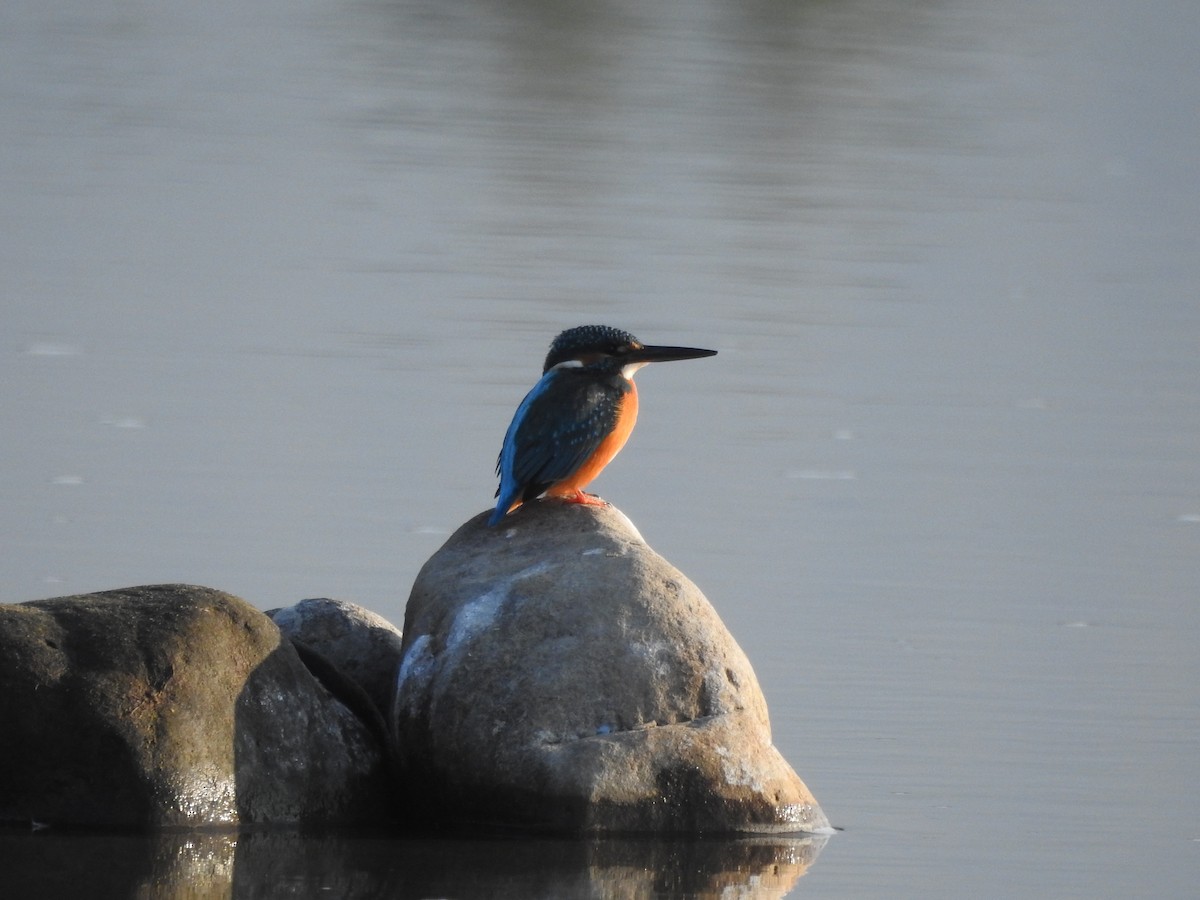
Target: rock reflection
x=286, y=863
x=604, y=868
x=768, y=867
x=70, y=864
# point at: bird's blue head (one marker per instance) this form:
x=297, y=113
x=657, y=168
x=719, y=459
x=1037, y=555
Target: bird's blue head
x=610, y=349
x=587, y=344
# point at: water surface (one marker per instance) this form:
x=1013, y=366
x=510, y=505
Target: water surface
x=275, y=276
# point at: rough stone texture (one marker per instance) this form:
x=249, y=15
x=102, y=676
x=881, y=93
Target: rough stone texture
x=172, y=705
x=364, y=646
x=559, y=674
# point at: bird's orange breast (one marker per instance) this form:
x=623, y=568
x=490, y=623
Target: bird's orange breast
x=627, y=413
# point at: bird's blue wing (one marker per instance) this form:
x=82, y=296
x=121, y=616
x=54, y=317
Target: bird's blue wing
x=558, y=425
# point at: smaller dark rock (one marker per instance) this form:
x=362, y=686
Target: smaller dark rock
x=364, y=646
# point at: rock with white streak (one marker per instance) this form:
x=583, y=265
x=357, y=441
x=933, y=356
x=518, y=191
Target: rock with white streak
x=559, y=674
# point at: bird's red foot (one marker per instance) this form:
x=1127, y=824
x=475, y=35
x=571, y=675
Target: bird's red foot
x=582, y=498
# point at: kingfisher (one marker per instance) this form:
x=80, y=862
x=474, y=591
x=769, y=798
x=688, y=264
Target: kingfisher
x=577, y=417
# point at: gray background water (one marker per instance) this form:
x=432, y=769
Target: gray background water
x=275, y=275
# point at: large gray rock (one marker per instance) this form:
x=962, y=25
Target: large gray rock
x=173, y=705
x=364, y=646
x=559, y=674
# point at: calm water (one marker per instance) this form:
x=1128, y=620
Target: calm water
x=275, y=275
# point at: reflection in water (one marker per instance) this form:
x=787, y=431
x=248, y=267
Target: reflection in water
x=80, y=864
x=275, y=863
x=605, y=868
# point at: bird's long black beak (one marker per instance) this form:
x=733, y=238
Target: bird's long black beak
x=665, y=354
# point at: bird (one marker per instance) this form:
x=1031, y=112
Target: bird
x=577, y=417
